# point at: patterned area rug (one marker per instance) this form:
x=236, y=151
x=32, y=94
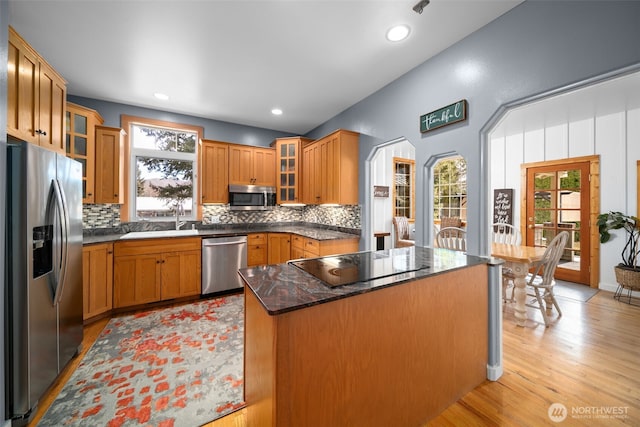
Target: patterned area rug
x=178, y=366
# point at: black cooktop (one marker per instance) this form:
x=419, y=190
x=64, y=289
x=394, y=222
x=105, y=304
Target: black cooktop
x=339, y=270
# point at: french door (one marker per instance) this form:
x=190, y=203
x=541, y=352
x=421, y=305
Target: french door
x=558, y=199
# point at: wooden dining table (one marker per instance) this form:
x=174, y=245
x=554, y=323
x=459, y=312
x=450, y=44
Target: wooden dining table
x=519, y=259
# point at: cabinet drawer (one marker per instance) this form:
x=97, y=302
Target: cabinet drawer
x=297, y=242
x=257, y=239
x=156, y=246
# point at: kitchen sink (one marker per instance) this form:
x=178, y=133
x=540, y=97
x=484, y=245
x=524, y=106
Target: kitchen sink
x=159, y=233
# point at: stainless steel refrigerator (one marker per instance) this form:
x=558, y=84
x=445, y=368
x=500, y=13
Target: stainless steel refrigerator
x=43, y=280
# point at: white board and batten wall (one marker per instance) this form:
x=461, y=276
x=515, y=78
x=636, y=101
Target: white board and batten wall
x=613, y=134
x=382, y=173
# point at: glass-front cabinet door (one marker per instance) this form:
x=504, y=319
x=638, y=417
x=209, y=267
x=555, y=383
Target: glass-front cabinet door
x=80, y=144
x=288, y=169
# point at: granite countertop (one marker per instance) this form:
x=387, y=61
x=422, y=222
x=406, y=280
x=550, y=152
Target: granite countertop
x=312, y=232
x=284, y=287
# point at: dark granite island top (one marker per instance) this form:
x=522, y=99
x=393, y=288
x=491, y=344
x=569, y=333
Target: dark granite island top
x=285, y=287
x=381, y=351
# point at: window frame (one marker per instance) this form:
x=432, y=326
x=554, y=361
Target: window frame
x=127, y=213
x=462, y=214
x=412, y=187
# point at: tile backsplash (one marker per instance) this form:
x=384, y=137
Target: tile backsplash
x=100, y=216
x=97, y=216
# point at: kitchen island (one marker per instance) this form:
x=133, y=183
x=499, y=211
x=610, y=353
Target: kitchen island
x=397, y=346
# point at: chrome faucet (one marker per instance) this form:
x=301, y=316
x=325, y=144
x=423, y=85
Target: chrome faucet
x=179, y=209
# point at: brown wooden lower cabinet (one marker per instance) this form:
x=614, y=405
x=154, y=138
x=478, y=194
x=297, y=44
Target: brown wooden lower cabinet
x=97, y=279
x=151, y=271
x=396, y=356
x=257, y=249
x=134, y=272
x=279, y=248
x=304, y=247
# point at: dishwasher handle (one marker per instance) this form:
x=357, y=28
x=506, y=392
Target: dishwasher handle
x=213, y=242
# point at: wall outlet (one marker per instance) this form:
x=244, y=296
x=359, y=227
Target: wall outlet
x=215, y=219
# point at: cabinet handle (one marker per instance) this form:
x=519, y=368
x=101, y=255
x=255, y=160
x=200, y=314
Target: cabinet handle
x=41, y=132
x=109, y=252
x=89, y=194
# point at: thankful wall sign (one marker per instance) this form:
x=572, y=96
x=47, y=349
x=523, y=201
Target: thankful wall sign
x=444, y=116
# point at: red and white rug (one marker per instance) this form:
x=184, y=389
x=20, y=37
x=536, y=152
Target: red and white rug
x=178, y=366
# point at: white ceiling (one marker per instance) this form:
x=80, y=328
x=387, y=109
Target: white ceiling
x=235, y=60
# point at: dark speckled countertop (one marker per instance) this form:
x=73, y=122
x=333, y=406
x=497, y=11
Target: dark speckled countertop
x=312, y=232
x=284, y=287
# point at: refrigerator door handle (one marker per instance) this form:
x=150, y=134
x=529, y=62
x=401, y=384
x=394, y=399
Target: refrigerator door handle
x=61, y=202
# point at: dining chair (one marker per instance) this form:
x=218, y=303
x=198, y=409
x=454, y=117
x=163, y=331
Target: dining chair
x=452, y=238
x=401, y=232
x=450, y=221
x=542, y=278
x=506, y=233
x=509, y=235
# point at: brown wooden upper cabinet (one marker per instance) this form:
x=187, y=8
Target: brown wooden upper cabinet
x=250, y=165
x=80, y=144
x=109, y=165
x=36, y=97
x=288, y=170
x=215, y=172
x=330, y=169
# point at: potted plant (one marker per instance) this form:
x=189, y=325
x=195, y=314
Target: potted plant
x=628, y=271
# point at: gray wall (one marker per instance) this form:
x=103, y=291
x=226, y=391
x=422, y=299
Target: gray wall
x=536, y=47
x=213, y=129
x=4, y=43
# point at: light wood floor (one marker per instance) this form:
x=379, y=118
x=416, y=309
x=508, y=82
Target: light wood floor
x=588, y=360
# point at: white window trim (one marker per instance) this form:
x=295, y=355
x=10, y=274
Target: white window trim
x=172, y=155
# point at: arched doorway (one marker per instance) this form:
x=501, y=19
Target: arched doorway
x=380, y=173
x=592, y=121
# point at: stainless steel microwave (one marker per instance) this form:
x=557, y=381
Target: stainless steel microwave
x=251, y=197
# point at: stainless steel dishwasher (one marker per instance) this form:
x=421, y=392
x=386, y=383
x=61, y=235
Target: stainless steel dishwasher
x=221, y=259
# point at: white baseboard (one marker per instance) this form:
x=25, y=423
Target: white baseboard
x=612, y=288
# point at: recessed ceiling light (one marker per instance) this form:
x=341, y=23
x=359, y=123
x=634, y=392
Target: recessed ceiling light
x=398, y=33
x=276, y=112
x=161, y=96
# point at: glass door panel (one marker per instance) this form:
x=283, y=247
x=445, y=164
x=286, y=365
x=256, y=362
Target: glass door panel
x=560, y=203
x=288, y=155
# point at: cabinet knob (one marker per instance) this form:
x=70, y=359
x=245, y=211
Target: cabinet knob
x=89, y=194
x=115, y=195
x=41, y=132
